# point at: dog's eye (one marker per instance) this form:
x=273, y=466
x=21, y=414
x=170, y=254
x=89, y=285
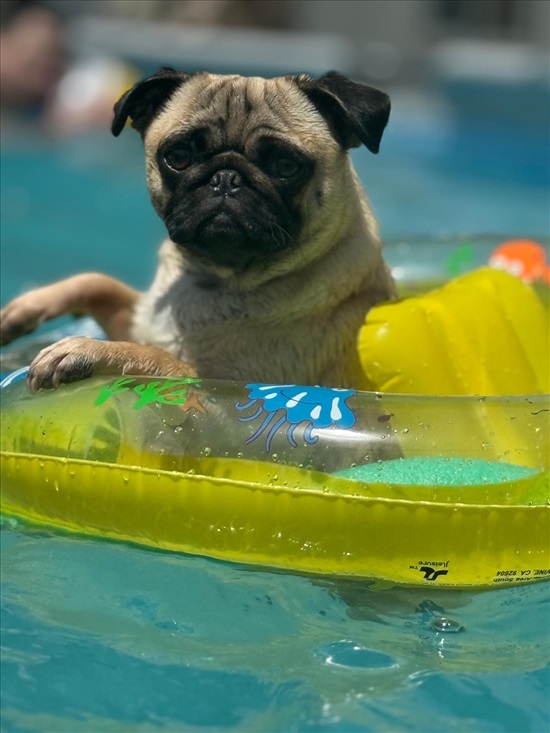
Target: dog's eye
x=179, y=156
x=283, y=166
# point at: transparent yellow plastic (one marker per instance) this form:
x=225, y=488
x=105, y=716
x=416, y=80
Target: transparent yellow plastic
x=485, y=333
x=433, y=489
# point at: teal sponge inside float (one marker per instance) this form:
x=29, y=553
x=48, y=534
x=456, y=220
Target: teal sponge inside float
x=451, y=480
x=437, y=471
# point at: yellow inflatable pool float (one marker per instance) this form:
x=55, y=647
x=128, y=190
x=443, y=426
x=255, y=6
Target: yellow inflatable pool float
x=410, y=488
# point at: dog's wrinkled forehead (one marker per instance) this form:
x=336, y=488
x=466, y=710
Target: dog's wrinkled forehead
x=235, y=109
x=298, y=107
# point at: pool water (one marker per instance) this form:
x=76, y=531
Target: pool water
x=99, y=636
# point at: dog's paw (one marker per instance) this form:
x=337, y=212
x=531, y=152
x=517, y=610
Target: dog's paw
x=25, y=313
x=77, y=357
x=19, y=317
x=69, y=360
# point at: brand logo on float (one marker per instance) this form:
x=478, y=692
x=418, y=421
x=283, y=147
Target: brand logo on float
x=431, y=573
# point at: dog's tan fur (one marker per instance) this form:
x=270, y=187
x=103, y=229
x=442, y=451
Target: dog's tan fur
x=294, y=320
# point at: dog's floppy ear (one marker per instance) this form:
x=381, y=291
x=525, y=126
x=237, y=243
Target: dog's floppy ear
x=355, y=113
x=144, y=99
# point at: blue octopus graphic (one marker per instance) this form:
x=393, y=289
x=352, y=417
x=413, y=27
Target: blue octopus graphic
x=293, y=405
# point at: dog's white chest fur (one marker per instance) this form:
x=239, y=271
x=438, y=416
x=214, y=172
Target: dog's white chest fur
x=301, y=327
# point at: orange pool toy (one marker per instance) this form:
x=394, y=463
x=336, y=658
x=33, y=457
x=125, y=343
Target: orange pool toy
x=524, y=258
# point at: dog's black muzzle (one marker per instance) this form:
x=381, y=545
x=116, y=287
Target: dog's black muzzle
x=226, y=211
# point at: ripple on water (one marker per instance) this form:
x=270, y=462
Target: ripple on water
x=347, y=653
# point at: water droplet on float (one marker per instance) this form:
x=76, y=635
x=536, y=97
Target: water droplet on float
x=207, y=451
x=446, y=625
x=239, y=455
x=405, y=430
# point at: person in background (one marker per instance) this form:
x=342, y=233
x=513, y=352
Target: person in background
x=32, y=55
x=40, y=86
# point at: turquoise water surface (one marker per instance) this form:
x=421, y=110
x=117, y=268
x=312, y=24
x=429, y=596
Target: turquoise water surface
x=99, y=636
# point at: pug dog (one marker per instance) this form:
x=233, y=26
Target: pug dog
x=273, y=255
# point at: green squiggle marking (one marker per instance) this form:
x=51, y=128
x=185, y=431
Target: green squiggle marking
x=167, y=392
x=108, y=390
x=171, y=392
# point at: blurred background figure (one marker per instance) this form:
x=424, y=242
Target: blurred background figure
x=32, y=54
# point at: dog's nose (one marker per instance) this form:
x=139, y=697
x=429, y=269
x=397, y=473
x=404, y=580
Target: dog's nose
x=226, y=181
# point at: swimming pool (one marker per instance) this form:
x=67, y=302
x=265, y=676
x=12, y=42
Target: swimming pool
x=100, y=636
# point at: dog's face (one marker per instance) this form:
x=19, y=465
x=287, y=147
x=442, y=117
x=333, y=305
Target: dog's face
x=244, y=171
